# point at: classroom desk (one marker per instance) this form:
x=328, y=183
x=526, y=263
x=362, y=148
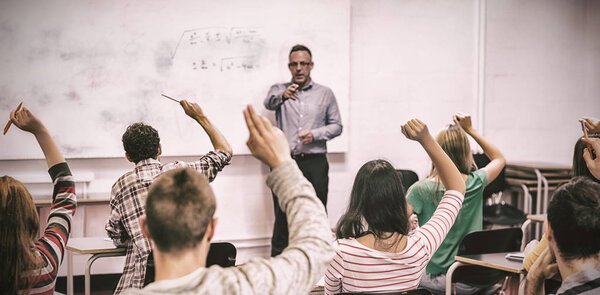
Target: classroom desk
x=97, y=246
x=492, y=260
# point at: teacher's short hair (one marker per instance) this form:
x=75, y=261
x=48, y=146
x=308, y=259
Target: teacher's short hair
x=300, y=47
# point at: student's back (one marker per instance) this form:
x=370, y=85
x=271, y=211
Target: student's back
x=29, y=265
x=375, y=250
x=424, y=196
x=470, y=217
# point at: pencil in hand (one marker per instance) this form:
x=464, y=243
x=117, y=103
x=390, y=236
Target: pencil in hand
x=9, y=121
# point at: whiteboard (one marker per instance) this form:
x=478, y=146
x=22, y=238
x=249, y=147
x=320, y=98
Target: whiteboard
x=88, y=69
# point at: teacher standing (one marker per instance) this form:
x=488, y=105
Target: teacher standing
x=309, y=116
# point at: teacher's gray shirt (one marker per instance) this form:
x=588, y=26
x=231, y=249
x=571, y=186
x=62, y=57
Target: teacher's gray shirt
x=315, y=110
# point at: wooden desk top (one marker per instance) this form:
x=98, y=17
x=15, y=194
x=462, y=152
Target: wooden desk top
x=493, y=260
x=537, y=217
x=45, y=203
x=93, y=245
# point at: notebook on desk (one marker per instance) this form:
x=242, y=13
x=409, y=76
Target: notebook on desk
x=517, y=256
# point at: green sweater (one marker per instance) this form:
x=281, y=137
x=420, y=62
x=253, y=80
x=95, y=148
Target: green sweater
x=469, y=218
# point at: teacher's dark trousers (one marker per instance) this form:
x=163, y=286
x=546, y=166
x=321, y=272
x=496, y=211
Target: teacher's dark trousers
x=316, y=169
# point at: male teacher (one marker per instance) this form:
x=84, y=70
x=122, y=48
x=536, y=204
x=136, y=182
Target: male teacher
x=308, y=114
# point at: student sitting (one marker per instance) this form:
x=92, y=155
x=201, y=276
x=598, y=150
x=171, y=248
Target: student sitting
x=573, y=233
x=142, y=147
x=29, y=266
x=582, y=166
x=425, y=195
x=179, y=223
x=375, y=251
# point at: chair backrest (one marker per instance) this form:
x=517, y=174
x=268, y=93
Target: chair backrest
x=409, y=292
x=222, y=254
x=480, y=242
x=491, y=241
x=408, y=178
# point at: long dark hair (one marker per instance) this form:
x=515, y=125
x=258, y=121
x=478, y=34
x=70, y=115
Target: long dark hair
x=378, y=200
x=19, y=226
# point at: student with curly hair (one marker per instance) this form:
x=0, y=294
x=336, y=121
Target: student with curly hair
x=142, y=147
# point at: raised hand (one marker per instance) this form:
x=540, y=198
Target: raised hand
x=592, y=150
x=592, y=125
x=26, y=121
x=267, y=143
x=290, y=92
x=192, y=109
x=464, y=121
x=415, y=130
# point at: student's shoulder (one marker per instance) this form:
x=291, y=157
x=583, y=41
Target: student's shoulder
x=477, y=178
x=419, y=188
x=124, y=181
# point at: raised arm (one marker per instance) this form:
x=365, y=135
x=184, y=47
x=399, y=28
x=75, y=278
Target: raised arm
x=497, y=161
x=216, y=137
x=298, y=268
x=593, y=126
x=26, y=121
x=52, y=243
x=592, y=163
x=449, y=174
x=278, y=94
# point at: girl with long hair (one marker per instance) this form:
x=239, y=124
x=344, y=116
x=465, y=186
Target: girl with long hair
x=425, y=195
x=375, y=250
x=30, y=265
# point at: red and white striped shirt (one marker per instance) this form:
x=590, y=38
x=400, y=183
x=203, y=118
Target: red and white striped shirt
x=357, y=268
x=51, y=246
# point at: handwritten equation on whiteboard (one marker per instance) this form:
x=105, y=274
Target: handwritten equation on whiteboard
x=220, y=49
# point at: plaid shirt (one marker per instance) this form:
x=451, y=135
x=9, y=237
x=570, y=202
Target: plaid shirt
x=127, y=205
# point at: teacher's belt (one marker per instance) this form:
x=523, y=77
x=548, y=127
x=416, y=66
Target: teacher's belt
x=303, y=156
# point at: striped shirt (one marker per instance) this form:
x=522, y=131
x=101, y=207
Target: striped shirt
x=51, y=246
x=357, y=268
x=127, y=201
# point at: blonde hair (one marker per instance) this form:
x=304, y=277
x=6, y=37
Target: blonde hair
x=455, y=143
x=19, y=227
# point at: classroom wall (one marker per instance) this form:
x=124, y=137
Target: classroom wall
x=541, y=76
x=416, y=59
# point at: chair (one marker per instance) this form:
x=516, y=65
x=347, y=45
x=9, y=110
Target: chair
x=498, y=212
x=409, y=292
x=482, y=242
x=408, y=178
x=222, y=254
